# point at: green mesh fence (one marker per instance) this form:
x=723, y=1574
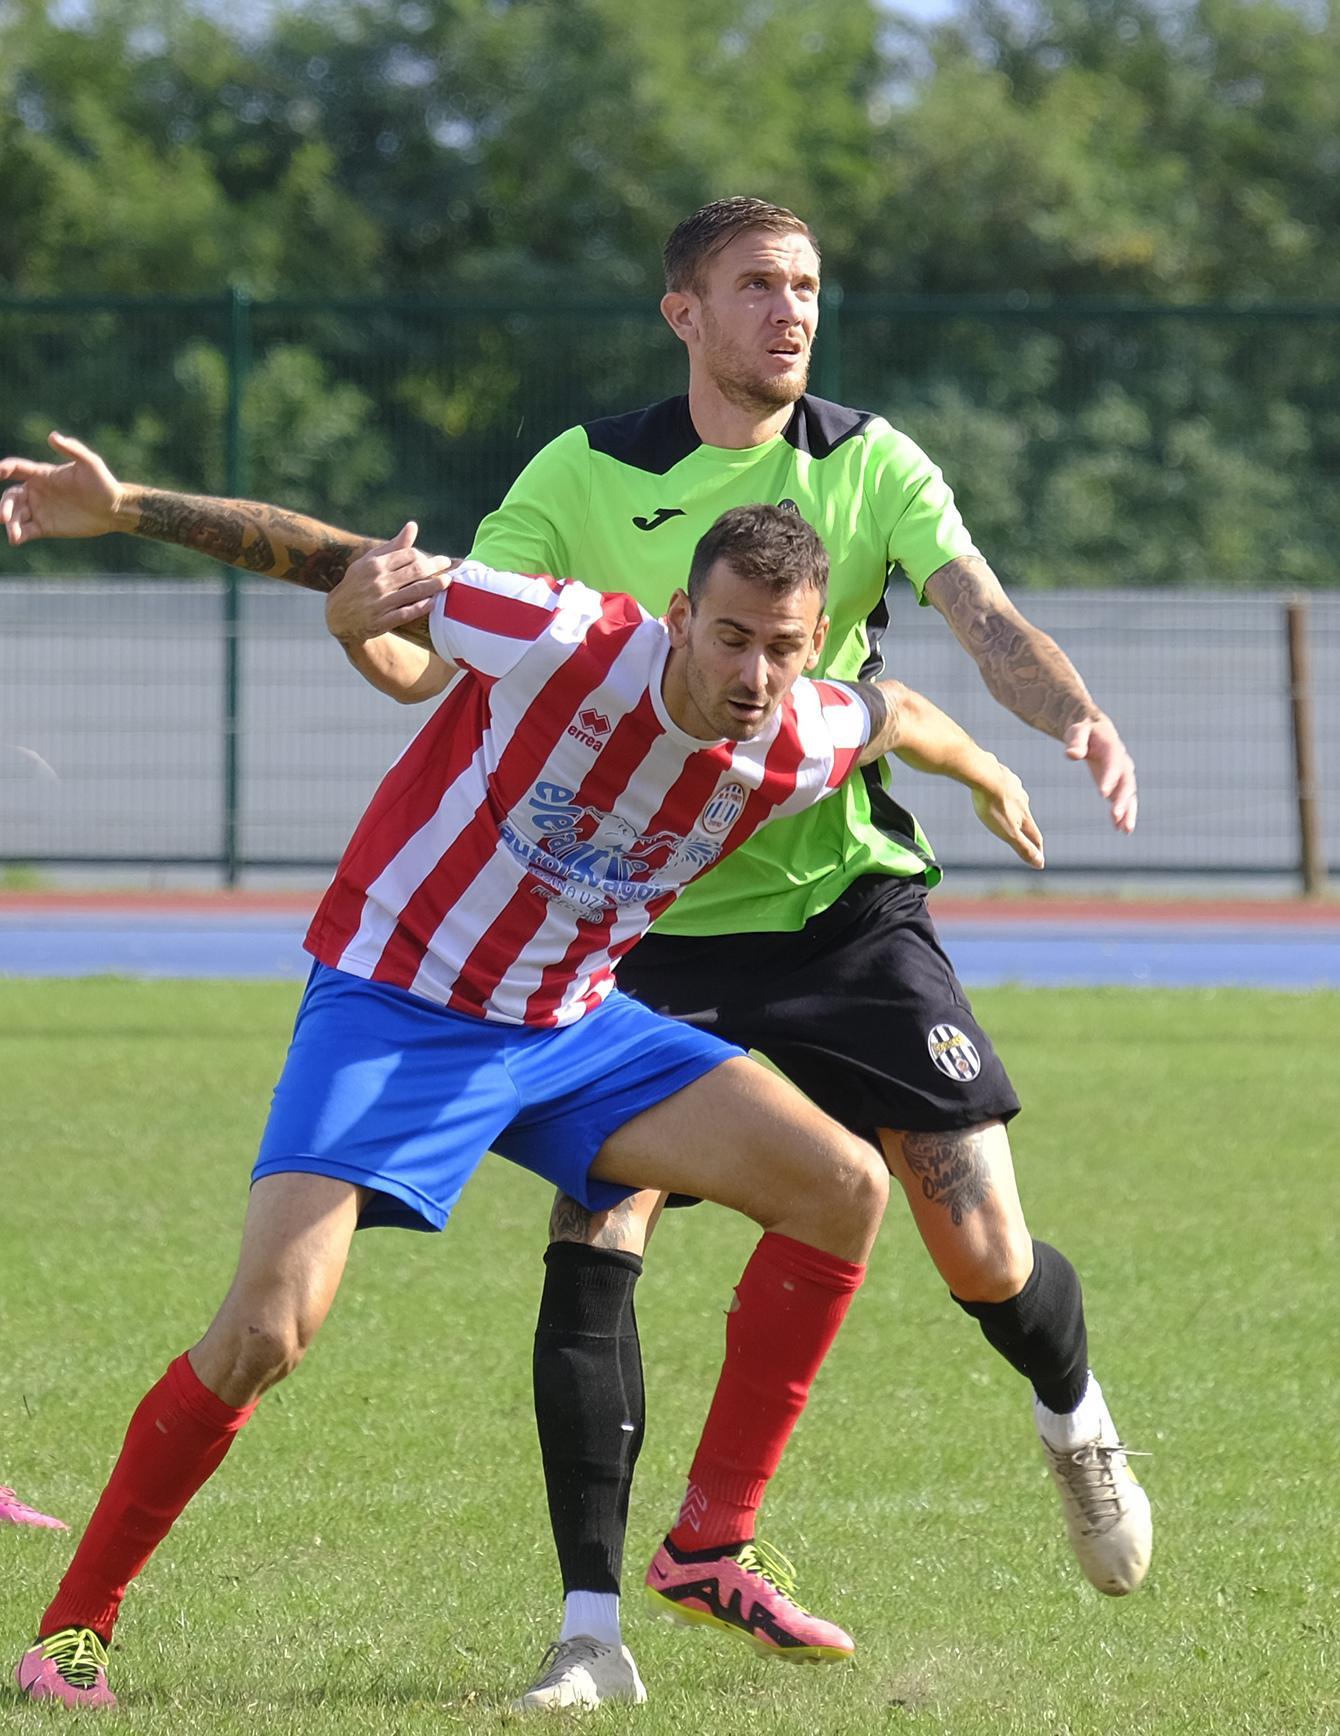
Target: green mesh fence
x=1127, y=471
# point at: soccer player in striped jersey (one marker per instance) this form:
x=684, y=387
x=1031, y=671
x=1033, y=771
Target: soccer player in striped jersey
x=588, y=762
x=824, y=916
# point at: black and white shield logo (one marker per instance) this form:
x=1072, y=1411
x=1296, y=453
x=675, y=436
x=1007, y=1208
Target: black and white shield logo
x=724, y=809
x=953, y=1053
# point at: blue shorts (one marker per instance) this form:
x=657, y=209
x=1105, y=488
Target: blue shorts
x=398, y=1094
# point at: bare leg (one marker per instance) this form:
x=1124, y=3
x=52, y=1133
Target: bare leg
x=745, y=1138
x=294, y=1247
x=1026, y=1297
x=961, y=1189
x=627, y=1227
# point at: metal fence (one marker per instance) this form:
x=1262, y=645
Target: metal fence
x=117, y=743
x=1088, y=444
x=1138, y=476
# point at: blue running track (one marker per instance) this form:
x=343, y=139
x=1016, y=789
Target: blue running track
x=1123, y=951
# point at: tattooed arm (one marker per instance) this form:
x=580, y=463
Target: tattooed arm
x=379, y=620
x=243, y=533
x=907, y=724
x=1030, y=675
x=81, y=497
x=378, y=616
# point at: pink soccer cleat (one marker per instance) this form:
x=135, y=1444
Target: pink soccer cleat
x=748, y=1591
x=69, y=1666
x=16, y=1512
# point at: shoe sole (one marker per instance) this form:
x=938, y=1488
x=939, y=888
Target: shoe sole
x=526, y=1708
x=666, y=1609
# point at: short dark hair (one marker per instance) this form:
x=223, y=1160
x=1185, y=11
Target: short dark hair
x=701, y=237
x=768, y=545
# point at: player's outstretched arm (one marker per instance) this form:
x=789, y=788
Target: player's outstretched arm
x=906, y=723
x=81, y=497
x=1028, y=672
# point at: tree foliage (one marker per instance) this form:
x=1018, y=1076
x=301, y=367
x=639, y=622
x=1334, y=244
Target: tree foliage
x=536, y=153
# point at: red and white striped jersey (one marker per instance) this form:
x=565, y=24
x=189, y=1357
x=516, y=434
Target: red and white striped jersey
x=551, y=809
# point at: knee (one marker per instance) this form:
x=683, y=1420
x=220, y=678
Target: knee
x=861, y=1189
x=251, y=1355
x=994, y=1268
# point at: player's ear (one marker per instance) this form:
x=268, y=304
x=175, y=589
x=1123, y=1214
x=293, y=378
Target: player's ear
x=677, y=615
x=817, y=642
x=680, y=312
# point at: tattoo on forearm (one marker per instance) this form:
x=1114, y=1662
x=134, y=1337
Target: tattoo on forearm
x=1023, y=668
x=247, y=534
x=952, y=1169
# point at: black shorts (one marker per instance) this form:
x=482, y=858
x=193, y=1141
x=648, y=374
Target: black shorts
x=861, y=1009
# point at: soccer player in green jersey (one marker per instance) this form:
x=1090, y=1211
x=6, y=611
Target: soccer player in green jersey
x=812, y=944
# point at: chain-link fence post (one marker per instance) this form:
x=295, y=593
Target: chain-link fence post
x=1311, y=856
x=239, y=361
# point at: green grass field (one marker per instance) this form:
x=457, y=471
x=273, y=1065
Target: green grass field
x=374, y=1556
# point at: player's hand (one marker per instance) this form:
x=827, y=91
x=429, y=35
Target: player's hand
x=1002, y=807
x=1095, y=739
x=78, y=498
x=388, y=586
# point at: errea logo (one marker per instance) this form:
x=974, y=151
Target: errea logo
x=591, y=727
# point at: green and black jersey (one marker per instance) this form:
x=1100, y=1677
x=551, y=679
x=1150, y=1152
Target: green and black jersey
x=621, y=503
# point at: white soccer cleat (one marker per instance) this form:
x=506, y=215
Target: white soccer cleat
x=581, y=1673
x=1106, y=1511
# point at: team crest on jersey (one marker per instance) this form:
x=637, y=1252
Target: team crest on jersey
x=953, y=1053
x=724, y=809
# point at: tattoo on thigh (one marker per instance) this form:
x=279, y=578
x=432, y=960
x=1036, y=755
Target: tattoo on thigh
x=620, y=1227
x=568, y=1221
x=952, y=1169
x=571, y=1222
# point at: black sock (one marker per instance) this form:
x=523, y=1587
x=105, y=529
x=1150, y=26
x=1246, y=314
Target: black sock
x=589, y=1408
x=1041, y=1331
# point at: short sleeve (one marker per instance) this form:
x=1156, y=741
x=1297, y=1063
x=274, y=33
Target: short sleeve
x=538, y=526
x=846, y=727
x=832, y=726
x=914, y=507
x=486, y=620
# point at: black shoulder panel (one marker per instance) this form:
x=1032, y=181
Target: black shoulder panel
x=818, y=427
x=654, y=439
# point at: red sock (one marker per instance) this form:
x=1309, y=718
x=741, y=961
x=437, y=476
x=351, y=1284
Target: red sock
x=176, y=1439
x=788, y=1307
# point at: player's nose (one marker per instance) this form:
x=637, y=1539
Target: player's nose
x=790, y=308
x=753, y=674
